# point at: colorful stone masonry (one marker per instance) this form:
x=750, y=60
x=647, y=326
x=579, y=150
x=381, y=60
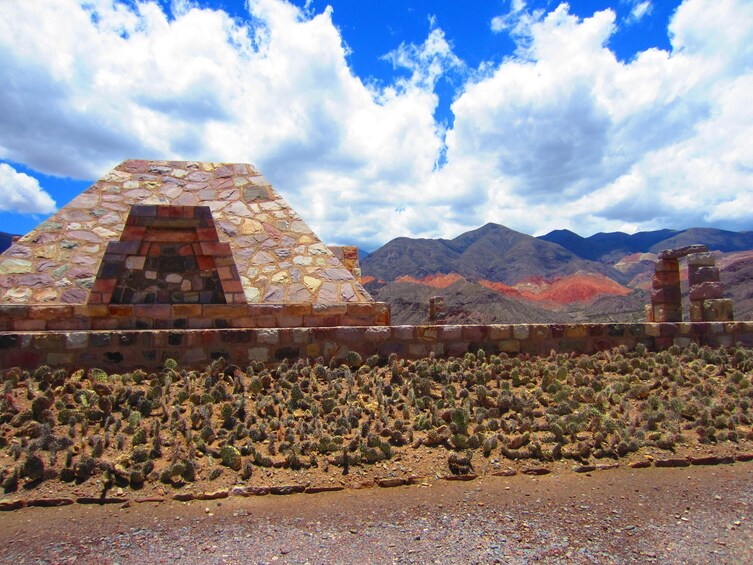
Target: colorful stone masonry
x=119, y=351
x=348, y=256
x=437, y=311
x=172, y=244
x=706, y=293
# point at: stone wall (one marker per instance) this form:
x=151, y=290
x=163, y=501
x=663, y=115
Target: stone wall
x=125, y=350
x=19, y=318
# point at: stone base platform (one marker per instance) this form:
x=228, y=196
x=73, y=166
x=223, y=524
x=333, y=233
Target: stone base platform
x=122, y=350
x=36, y=317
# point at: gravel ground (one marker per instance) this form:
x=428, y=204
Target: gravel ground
x=687, y=515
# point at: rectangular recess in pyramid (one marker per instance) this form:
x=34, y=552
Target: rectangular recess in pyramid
x=168, y=255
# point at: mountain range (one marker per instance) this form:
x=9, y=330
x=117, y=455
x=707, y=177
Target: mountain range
x=496, y=274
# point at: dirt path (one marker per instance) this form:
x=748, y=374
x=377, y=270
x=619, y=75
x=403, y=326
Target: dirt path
x=688, y=515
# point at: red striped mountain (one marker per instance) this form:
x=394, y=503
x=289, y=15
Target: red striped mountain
x=604, y=277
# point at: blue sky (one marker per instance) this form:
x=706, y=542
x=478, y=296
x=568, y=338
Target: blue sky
x=382, y=118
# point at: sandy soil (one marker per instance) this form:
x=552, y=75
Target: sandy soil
x=699, y=514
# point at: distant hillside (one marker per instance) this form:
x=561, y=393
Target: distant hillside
x=718, y=240
x=493, y=253
x=611, y=247
x=5, y=241
x=608, y=246
x=465, y=302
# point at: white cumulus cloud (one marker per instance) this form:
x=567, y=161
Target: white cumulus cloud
x=22, y=194
x=561, y=134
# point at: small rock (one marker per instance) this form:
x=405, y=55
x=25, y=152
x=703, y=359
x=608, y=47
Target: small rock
x=391, y=482
x=672, y=463
x=536, y=471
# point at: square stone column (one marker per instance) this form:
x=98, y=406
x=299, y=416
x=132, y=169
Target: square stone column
x=666, y=296
x=437, y=313
x=707, y=302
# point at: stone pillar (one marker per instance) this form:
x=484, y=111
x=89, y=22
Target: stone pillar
x=666, y=297
x=437, y=313
x=705, y=290
x=703, y=283
x=707, y=302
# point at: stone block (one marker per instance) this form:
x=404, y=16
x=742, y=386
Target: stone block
x=669, y=330
x=74, y=296
x=349, y=335
x=152, y=311
x=666, y=295
x=576, y=330
x=696, y=311
x=707, y=290
x=37, y=312
x=285, y=321
x=437, y=349
x=540, y=332
x=299, y=309
x=699, y=274
x=69, y=324
x=193, y=356
x=329, y=309
x=509, y=346
x=450, y=333
x=29, y=325
x=404, y=333
x=60, y=358
x=660, y=280
x=91, y=310
x=666, y=266
x=268, y=336
x=259, y=354
x=300, y=335
x=615, y=330
x=417, y=350
x=427, y=333
x=14, y=311
x=381, y=313
x=718, y=310
x=649, y=311
x=474, y=333
x=682, y=251
x=186, y=310
x=377, y=334
x=558, y=330
x=682, y=341
x=499, y=332
x=704, y=259
x=227, y=311
x=520, y=331
x=667, y=313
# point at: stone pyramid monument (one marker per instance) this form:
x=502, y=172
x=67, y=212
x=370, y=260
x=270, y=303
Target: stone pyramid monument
x=169, y=244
